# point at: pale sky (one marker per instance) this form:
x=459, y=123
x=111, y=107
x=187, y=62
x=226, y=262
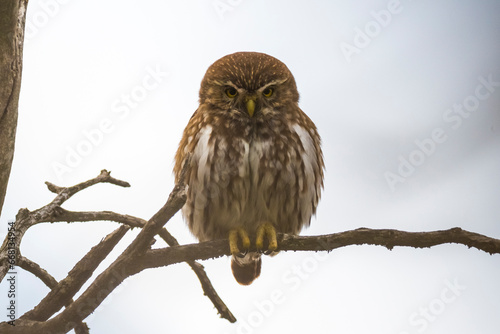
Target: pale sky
x=406, y=97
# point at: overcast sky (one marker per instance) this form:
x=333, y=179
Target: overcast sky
x=406, y=97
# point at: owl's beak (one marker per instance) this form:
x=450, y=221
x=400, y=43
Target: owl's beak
x=250, y=107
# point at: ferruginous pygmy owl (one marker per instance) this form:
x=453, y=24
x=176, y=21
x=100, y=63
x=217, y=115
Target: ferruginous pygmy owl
x=256, y=162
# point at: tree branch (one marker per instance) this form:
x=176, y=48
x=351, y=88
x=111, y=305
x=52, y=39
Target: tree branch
x=208, y=289
x=286, y=242
x=139, y=256
x=45, y=277
x=109, y=279
x=63, y=292
x=53, y=212
x=212, y=249
x=390, y=238
x=36, y=270
x=25, y=219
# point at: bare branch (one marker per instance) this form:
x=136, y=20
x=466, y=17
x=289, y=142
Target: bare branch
x=391, y=238
x=13, y=239
x=64, y=291
x=166, y=256
x=208, y=289
x=387, y=238
x=25, y=219
x=45, y=277
x=206, y=285
x=36, y=270
x=103, y=177
x=64, y=193
x=63, y=215
x=59, y=214
x=108, y=280
x=139, y=256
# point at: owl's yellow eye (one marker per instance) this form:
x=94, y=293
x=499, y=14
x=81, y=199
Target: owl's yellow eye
x=268, y=92
x=231, y=92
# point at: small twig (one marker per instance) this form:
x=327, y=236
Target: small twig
x=36, y=270
x=206, y=285
x=25, y=219
x=64, y=193
x=103, y=177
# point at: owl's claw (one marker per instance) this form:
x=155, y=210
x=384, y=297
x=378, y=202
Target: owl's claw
x=266, y=230
x=266, y=252
x=241, y=254
x=234, y=235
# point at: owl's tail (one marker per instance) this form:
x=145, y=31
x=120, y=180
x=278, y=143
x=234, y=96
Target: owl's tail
x=246, y=269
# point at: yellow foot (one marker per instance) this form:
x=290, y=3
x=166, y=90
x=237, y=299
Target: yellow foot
x=266, y=230
x=234, y=235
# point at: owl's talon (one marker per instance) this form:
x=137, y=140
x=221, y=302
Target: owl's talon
x=234, y=236
x=241, y=254
x=264, y=252
x=266, y=230
x=268, y=252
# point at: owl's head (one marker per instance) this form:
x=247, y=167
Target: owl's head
x=248, y=82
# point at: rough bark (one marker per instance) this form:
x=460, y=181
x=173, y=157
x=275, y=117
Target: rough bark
x=12, y=19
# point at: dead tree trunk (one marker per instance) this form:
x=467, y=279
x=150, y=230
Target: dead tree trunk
x=12, y=19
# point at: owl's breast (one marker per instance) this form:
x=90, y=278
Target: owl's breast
x=283, y=178
x=247, y=180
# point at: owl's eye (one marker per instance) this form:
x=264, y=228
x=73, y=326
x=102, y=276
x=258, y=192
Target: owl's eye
x=231, y=92
x=268, y=92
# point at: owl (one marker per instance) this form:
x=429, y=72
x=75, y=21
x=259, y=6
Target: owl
x=256, y=165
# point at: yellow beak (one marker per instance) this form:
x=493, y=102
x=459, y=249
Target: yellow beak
x=251, y=107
